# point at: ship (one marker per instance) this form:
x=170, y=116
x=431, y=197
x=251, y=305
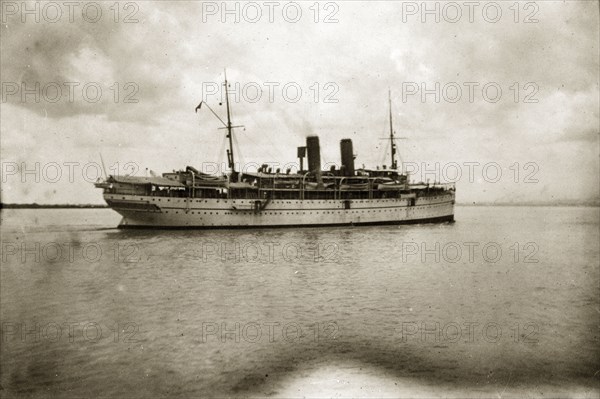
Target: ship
x=307, y=197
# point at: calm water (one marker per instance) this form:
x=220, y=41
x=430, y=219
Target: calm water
x=504, y=302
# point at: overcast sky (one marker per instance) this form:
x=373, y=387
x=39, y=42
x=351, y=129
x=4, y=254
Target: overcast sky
x=164, y=57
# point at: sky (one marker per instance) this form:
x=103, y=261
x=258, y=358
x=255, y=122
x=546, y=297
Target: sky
x=500, y=98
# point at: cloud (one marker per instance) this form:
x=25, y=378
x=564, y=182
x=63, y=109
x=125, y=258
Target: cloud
x=163, y=60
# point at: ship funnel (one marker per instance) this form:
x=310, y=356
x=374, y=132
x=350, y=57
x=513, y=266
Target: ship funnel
x=314, y=156
x=314, y=153
x=347, y=157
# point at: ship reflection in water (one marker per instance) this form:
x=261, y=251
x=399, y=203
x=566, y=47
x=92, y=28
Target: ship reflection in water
x=343, y=311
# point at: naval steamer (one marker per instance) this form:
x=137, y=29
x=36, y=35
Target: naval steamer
x=312, y=197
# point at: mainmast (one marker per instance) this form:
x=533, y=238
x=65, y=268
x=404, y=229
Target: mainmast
x=230, y=158
x=394, y=164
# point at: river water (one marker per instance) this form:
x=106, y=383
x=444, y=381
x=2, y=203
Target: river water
x=502, y=303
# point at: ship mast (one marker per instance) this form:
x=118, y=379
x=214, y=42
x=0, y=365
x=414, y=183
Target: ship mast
x=228, y=126
x=230, y=158
x=394, y=164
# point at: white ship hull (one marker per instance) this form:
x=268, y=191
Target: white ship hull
x=174, y=212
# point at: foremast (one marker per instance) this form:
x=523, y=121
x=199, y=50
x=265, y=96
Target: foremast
x=227, y=125
x=230, y=157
